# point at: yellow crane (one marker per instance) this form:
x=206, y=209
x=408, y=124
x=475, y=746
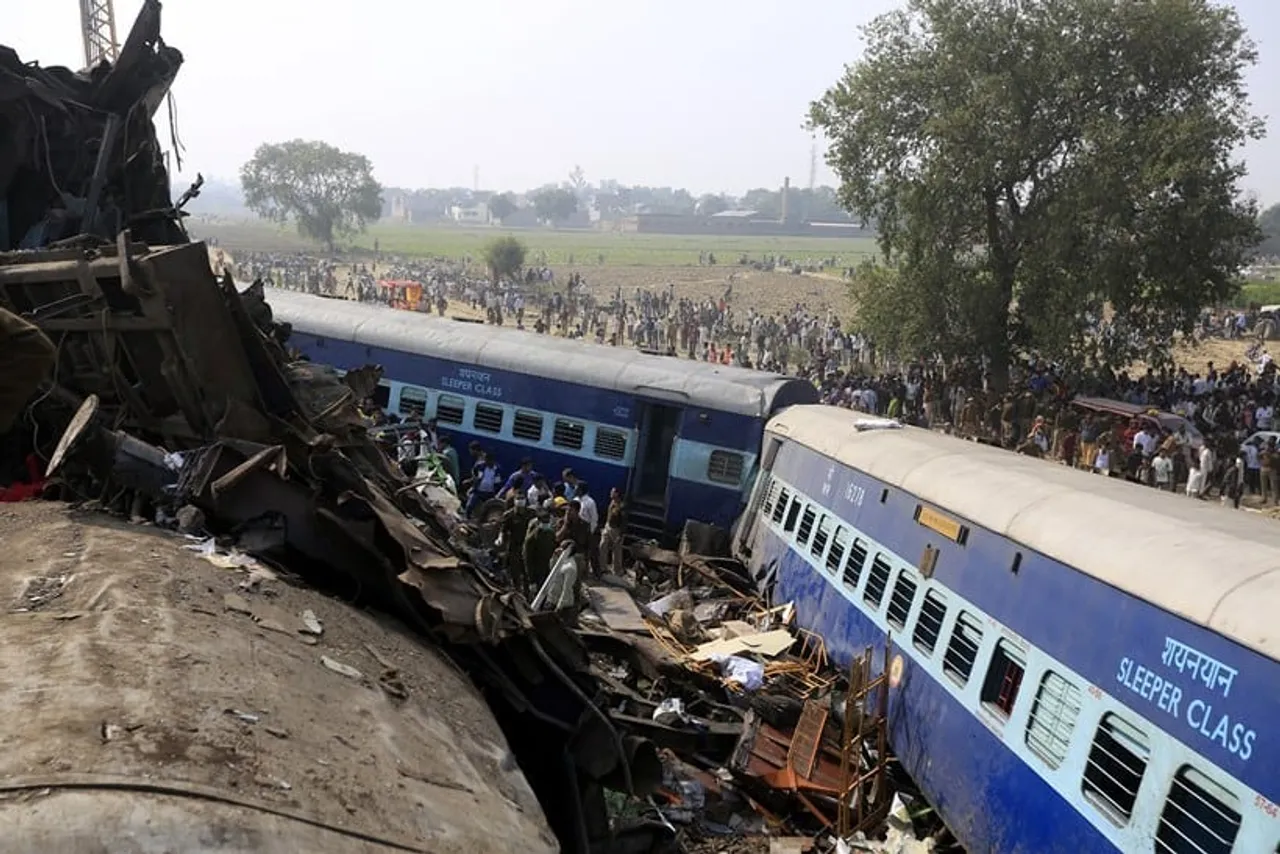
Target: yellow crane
x=98, y=27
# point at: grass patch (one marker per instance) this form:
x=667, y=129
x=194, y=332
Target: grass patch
x=1261, y=292
x=580, y=248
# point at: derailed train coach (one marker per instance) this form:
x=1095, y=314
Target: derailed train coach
x=679, y=437
x=1076, y=663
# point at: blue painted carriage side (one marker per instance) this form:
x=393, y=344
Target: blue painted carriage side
x=990, y=798
x=973, y=760
x=531, y=391
x=1057, y=609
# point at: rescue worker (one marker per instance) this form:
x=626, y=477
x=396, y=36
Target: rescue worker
x=26, y=355
x=514, y=527
x=539, y=545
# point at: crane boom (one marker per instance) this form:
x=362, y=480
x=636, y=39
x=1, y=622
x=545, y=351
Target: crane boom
x=98, y=26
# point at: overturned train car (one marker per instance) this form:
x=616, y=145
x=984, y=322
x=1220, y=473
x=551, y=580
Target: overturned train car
x=678, y=436
x=1076, y=663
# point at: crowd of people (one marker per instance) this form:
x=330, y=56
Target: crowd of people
x=538, y=517
x=1222, y=448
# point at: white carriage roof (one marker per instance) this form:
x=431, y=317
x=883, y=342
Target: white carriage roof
x=1214, y=566
x=679, y=381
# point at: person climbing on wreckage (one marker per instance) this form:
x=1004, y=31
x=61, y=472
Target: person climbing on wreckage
x=26, y=356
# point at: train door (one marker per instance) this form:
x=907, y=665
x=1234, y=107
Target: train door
x=659, y=424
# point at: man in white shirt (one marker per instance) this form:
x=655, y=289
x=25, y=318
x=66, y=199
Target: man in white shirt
x=1162, y=470
x=1262, y=416
x=1145, y=441
x=591, y=514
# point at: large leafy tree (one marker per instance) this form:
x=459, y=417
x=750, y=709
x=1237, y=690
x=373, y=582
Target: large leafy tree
x=327, y=192
x=1035, y=166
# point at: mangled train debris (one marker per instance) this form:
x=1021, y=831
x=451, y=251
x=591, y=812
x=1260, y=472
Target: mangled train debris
x=693, y=709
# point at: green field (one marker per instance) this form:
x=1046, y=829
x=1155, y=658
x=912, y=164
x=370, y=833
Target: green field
x=581, y=248
x=1263, y=293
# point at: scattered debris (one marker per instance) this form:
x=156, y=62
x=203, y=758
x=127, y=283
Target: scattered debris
x=277, y=731
x=243, y=717
x=338, y=667
x=311, y=623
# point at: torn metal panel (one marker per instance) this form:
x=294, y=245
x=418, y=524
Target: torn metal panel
x=50, y=118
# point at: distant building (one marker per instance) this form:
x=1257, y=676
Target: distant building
x=400, y=211
x=740, y=222
x=477, y=214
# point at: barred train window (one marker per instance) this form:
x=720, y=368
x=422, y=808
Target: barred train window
x=610, y=444
x=929, y=624
x=1004, y=678
x=806, y=525
x=1117, y=762
x=962, y=651
x=413, y=401
x=1200, y=816
x=527, y=426
x=821, y=536
x=449, y=409
x=839, y=545
x=725, y=467
x=1053, y=718
x=770, y=496
x=904, y=593
x=853, y=569
x=877, y=581
x=793, y=513
x=488, y=418
x=568, y=434
x=780, y=509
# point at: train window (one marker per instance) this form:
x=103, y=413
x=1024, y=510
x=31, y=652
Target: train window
x=568, y=434
x=962, y=650
x=1200, y=816
x=806, y=525
x=904, y=593
x=793, y=513
x=839, y=545
x=610, y=444
x=929, y=624
x=488, y=418
x=413, y=401
x=780, y=507
x=1117, y=761
x=725, y=467
x=449, y=409
x=877, y=581
x=1004, y=678
x=527, y=426
x=382, y=396
x=822, y=536
x=853, y=569
x=770, y=496
x=1053, y=719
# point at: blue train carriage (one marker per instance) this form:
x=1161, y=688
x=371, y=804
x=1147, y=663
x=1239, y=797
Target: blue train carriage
x=1077, y=664
x=680, y=437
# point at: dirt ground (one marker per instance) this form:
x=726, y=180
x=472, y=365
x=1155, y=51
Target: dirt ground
x=130, y=659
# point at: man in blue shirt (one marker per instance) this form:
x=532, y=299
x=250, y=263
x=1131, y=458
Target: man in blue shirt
x=520, y=481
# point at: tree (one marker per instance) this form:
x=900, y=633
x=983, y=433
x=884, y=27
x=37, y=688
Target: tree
x=1269, y=223
x=711, y=204
x=327, y=192
x=504, y=257
x=578, y=182
x=554, y=204
x=1031, y=165
x=502, y=206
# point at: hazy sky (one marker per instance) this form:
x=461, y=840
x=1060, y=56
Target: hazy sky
x=705, y=94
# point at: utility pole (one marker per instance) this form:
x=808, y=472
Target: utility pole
x=98, y=27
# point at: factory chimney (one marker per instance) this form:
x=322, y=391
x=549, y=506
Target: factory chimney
x=786, y=193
